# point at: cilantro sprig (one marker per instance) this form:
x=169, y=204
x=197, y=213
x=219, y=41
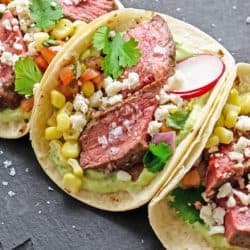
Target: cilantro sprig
x=157, y=156
x=118, y=53
x=177, y=119
x=27, y=74
x=182, y=201
x=45, y=13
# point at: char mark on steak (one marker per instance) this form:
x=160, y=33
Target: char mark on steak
x=8, y=98
x=117, y=138
x=86, y=10
x=157, y=61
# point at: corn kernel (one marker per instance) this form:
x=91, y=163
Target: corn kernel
x=220, y=122
x=225, y=135
x=39, y=38
x=70, y=149
x=88, y=88
x=67, y=108
x=77, y=170
x=230, y=107
x=245, y=104
x=231, y=119
x=57, y=99
x=71, y=135
x=80, y=24
x=213, y=141
x=51, y=133
x=72, y=183
x=52, y=120
x=63, y=29
x=234, y=97
x=63, y=122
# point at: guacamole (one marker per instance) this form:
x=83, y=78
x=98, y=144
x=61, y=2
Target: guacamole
x=196, y=106
x=10, y=115
x=96, y=181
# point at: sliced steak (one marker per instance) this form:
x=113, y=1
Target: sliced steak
x=157, y=47
x=86, y=10
x=237, y=226
x=8, y=37
x=117, y=138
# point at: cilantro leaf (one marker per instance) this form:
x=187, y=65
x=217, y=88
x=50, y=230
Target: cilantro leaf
x=177, y=119
x=119, y=53
x=44, y=13
x=182, y=201
x=157, y=156
x=27, y=74
x=101, y=39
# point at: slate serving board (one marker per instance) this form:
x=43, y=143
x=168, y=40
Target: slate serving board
x=40, y=216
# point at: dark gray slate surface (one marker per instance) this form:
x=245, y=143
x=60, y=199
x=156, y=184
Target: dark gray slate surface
x=37, y=218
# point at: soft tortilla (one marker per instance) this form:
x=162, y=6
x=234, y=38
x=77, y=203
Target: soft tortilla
x=173, y=232
x=190, y=36
x=15, y=130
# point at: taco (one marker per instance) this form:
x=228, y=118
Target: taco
x=31, y=34
x=207, y=204
x=112, y=136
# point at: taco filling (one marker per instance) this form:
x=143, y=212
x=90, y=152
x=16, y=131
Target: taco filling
x=31, y=34
x=116, y=122
x=214, y=197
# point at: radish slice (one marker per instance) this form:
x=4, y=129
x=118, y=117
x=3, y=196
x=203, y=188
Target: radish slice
x=201, y=73
x=168, y=137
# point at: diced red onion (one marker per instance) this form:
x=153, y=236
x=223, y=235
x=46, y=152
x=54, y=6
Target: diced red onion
x=167, y=137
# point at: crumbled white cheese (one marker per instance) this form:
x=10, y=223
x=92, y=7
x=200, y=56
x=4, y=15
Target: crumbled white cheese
x=81, y=103
x=111, y=101
x=5, y=183
x=218, y=215
x=18, y=46
x=176, y=99
x=231, y=202
x=114, y=150
x=163, y=110
x=7, y=25
x=164, y=96
x=244, y=198
x=206, y=214
x=235, y=156
x=115, y=133
x=102, y=140
x=154, y=127
x=112, y=87
x=53, y=4
x=8, y=58
x=225, y=190
x=78, y=121
x=247, y=152
x=95, y=100
x=123, y=176
x=7, y=163
x=241, y=144
x=2, y=8
x=112, y=34
x=243, y=123
x=216, y=230
x=248, y=188
x=131, y=82
x=175, y=82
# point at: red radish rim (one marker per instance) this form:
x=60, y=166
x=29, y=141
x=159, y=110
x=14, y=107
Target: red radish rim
x=208, y=86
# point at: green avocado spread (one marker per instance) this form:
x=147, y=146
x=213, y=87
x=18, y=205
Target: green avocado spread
x=97, y=181
x=10, y=115
x=196, y=106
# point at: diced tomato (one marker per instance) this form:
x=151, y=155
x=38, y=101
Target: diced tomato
x=66, y=75
x=99, y=81
x=41, y=63
x=164, y=128
x=27, y=104
x=89, y=74
x=49, y=53
x=5, y=1
x=69, y=91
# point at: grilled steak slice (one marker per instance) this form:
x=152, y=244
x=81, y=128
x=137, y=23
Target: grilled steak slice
x=117, y=138
x=8, y=37
x=157, y=47
x=237, y=226
x=86, y=10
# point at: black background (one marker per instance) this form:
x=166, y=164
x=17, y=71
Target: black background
x=27, y=221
